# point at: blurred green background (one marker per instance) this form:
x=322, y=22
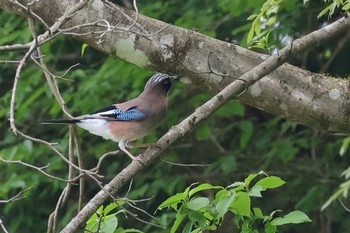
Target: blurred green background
x=237, y=140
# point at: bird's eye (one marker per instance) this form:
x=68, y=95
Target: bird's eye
x=166, y=82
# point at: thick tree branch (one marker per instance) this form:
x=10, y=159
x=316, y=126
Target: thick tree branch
x=315, y=100
x=234, y=89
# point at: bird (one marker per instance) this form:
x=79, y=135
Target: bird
x=131, y=120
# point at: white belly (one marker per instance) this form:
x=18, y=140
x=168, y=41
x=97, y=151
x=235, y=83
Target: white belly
x=98, y=127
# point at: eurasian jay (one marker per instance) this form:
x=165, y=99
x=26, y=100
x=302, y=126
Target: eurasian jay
x=130, y=120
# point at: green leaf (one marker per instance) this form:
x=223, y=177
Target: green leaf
x=255, y=191
x=325, y=10
x=173, y=200
x=100, y=210
x=250, y=35
x=203, y=132
x=83, y=47
x=224, y=203
x=237, y=186
x=178, y=221
x=188, y=189
x=293, y=217
x=231, y=108
x=196, y=216
x=258, y=212
x=110, y=207
x=202, y=187
x=197, y=203
x=345, y=146
x=188, y=227
x=270, y=182
x=251, y=17
x=241, y=205
x=270, y=228
x=91, y=224
x=251, y=177
x=109, y=224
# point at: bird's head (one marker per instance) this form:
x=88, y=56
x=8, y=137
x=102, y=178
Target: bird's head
x=159, y=83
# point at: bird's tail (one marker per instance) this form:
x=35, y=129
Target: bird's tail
x=73, y=121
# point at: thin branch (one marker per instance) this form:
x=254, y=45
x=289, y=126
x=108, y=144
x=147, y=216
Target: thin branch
x=135, y=216
x=15, y=47
x=70, y=169
x=53, y=84
x=344, y=206
x=97, y=168
x=39, y=169
x=80, y=164
x=27, y=8
x=340, y=46
x=9, y=62
x=3, y=226
x=186, y=165
x=17, y=197
x=136, y=15
x=52, y=222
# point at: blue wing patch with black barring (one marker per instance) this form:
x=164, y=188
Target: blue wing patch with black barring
x=131, y=114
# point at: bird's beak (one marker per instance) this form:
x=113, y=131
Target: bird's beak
x=174, y=78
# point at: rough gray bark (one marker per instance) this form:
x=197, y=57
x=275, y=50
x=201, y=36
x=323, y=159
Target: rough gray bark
x=315, y=100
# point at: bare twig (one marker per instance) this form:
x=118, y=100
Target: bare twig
x=10, y=62
x=3, y=226
x=80, y=164
x=344, y=206
x=70, y=169
x=135, y=216
x=17, y=197
x=96, y=169
x=15, y=47
x=187, y=165
x=39, y=169
x=52, y=222
x=340, y=46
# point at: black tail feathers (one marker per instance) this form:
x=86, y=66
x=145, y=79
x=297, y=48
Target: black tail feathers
x=73, y=121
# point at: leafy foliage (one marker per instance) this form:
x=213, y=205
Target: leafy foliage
x=105, y=220
x=334, y=4
x=201, y=214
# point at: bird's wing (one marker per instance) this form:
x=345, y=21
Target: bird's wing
x=113, y=113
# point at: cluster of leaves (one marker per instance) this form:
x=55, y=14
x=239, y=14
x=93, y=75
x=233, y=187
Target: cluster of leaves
x=334, y=4
x=202, y=214
x=105, y=220
x=197, y=213
x=258, y=36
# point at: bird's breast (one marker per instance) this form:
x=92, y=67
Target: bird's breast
x=132, y=130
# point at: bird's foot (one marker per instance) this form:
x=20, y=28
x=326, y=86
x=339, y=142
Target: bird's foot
x=137, y=158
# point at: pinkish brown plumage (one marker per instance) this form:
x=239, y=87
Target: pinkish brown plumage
x=130, y=120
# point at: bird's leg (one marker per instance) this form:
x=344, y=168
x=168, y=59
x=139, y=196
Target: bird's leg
x=122, y=145
x=143, y=145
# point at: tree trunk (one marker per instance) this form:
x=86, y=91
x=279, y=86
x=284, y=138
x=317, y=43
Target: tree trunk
x=314, y=100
